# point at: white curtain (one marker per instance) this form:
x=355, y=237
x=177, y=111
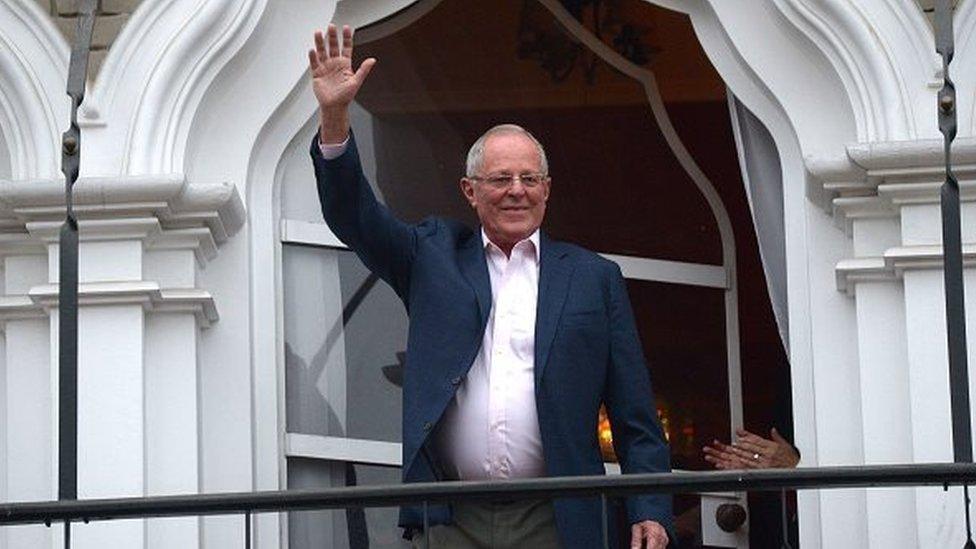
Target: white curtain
x=763, y=178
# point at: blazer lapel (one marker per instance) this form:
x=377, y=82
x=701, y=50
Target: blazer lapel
x=554, y=275
x=471, y=259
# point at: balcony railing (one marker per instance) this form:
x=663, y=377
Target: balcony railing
x=605, y=487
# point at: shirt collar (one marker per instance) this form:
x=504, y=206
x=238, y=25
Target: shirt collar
x=533, y=238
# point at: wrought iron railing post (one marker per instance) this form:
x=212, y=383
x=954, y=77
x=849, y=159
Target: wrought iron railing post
x=426, y=527
x=784, y=520
x=605, y=533
x=68, y=278
x=962, y=442
x=247, y=530
x=952, y=248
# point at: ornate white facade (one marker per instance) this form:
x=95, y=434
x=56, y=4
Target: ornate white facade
x=187, y=135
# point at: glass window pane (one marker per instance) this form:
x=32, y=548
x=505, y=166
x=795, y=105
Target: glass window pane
x=314, y=349
x=354, y=528
x=345, y=332
x=683, y=332
x=376, y=341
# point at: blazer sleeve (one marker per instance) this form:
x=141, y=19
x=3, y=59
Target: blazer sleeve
x=385, y=244
x=637, y=435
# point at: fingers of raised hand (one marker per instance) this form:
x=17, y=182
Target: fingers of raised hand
x=346, y=41
x=363, y=71
x=313, y=60
x=320, y=51
x=334, y=41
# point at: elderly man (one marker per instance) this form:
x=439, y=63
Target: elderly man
x=515, y=339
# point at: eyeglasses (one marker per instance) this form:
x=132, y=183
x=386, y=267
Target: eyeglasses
x=506, y=180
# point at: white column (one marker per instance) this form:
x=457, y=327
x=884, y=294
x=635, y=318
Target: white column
x=30, y=422
x=885, y=408
x=172, y=396
x=111, y=418
x=940, y=513
x=835, y=379
x=140, y=315
x=888, y=195
x=172, y=434
x=111, y=386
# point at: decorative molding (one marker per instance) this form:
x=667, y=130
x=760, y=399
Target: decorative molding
x=19, y=307
x=892, y=265
x=145, y=293
x=875, y=179
x=165, y=210
x=875, y=68
x=33, y=70
x=97, y=230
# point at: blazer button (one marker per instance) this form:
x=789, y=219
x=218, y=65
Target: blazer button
x=428, y=426
x=456, y=381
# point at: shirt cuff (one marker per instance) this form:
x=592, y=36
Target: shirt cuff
x=331, y=152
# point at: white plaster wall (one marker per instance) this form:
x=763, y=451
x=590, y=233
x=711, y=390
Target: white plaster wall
x=30, y=421
x=216, y=91
x=4, y=157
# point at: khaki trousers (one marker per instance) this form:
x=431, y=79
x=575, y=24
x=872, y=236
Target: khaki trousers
x=486, y=525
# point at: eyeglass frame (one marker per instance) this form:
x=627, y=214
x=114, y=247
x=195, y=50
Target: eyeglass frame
x=494, y=181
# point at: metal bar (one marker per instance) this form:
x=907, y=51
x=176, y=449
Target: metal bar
x=603, y=508
x=67, y=534
x=247, y=530
x=68, y=277
x=966, y=502
x=542, y=488
x=784, y=518
x=426, y=527
x=952, y=250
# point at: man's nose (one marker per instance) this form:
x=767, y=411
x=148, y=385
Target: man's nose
x=517, y=188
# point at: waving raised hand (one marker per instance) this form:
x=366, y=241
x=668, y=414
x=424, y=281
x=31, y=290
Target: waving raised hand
x=334, y=82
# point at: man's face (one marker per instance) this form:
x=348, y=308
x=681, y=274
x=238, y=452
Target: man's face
x=508, y=214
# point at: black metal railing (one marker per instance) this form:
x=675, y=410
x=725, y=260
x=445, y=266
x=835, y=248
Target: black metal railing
x=605, y=487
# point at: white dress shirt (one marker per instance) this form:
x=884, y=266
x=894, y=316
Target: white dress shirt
x=490, y=429
x=333, y=151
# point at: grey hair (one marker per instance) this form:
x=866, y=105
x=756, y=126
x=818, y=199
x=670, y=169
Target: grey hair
x=476, y=154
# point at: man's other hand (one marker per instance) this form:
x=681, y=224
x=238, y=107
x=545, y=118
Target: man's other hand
x=648, y=534
x=334, y=82
x=751, y=451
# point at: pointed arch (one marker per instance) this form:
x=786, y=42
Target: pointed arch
x=170, y=51
x=33, y=70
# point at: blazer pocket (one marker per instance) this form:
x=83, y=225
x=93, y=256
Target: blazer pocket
x=583, y=318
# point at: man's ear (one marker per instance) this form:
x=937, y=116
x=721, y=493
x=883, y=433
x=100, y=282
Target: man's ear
x=467, y=189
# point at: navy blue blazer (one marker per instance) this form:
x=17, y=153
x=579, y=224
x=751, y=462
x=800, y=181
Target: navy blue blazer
x=587, y=350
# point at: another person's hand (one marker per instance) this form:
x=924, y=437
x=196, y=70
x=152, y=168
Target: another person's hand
x=751, y=451
x=648, y=534
x=334, y=82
